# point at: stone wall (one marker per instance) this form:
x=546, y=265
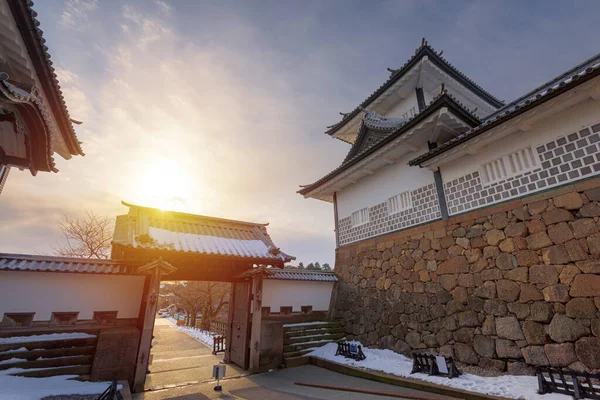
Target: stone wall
x=514, y=284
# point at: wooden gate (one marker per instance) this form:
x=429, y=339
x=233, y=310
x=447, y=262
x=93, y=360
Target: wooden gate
x=240, y=324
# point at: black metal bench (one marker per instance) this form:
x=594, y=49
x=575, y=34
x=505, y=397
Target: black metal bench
x=218, y=344
x=350, y=350
x=111, y=392
x=428, y=364
x=579, y=385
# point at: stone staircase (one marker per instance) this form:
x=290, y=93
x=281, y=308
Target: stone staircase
x=301, y=339
x=46, y=358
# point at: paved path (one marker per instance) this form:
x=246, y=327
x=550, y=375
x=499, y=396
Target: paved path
x=182, y=369
x=179, y=359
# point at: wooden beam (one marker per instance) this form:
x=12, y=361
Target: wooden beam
x=257, y=281
x=229, y=336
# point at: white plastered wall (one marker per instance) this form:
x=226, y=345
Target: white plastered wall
x=383, y=184
x=278, y=293
x=560, y=124
x=46, y=292
x=403, y=106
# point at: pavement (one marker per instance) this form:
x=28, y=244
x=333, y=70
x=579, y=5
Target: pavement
x=182, y=369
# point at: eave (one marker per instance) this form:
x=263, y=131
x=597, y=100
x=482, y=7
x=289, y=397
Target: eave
x=424, y=52
x=444, y=104
x=571, y=80
x=31, y=34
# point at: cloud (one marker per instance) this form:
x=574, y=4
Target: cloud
x=75, y=14
x=79, y=104
x=164, y=7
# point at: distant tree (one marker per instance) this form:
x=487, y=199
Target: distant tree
x=326, y=267
x=317, y=266
x=206, y=297
x=300, y=265
x=86, y=237
x=310, y=267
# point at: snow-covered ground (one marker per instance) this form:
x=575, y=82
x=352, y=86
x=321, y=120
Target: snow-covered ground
x=203, y=336
x=21, y=388
x=42, y=338
x=387, y=361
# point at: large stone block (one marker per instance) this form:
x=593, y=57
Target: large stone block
x=527, y=258
x=484, y=346
x=520, y=310
x=465, y=353
x=495, y=307
x=569, y=201
x=588, y=352
x=543, y=275
x=507, y=349
x=590, y=210
x=520, y=274
x=535, y=355
x=516, y=229
x=541, y=312
x=486, y=291
x=555, y=255
x=557, y=215
x=507, y=290
x=560, y=355
x=456, y=265
x=538, y=241
x=557, y=293
x=494, y=236
x=506, y=261
x=585, y=285
x=576, y=252
x=564, y=329
x=468, y=318
x=116, y=353
x=534, y=333
x=519, y=368
x=581, y=308
x=413, y=338
x=530, y=293
x=509, y=328
x=584, y=227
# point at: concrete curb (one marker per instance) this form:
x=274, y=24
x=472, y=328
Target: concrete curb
x=401, y=381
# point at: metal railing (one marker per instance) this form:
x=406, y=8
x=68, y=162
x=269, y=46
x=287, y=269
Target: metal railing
x=218, y=344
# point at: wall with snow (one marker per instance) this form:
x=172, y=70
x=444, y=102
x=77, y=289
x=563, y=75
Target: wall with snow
x=44, y=293
x=278, y=293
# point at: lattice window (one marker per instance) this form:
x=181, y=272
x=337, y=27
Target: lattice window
x=64, y=318
x=400, y=202
x=520, y=161
x=410, y=113
x=360, y=217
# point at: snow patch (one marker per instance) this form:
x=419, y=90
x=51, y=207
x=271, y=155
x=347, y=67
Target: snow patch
x=389, y=362
x=46, y=337
x=205, y=337
x=14, y=350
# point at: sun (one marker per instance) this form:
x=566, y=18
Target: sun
x=164, y=184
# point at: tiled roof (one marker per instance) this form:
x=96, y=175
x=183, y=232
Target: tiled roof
x=433, y=56
x=357, y=152
x=32, y=35
x=26, y=262
x=189, y=233
x=566, y=81
x=301, y=275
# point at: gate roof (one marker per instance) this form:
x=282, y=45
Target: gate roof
x=146, y=229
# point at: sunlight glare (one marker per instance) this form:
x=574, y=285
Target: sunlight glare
x=164, y=184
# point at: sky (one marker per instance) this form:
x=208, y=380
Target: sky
x=219, y=108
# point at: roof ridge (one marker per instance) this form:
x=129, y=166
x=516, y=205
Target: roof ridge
x=419, y=51
x=41, y=257
x=196, y=216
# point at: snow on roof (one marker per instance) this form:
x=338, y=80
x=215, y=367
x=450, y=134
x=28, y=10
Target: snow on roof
x=301, y=275
x=181, y=232
x=27, y=262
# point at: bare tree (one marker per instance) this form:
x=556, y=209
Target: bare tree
x=87, y=237
x=206, y=297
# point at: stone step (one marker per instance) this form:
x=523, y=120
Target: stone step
x=293, y=354
x=296, y=361
x=312, y=325
x=50, y=353
x=311, y=332
x=304, y=339
x=44, y=373
x=303, y=346
x=50, y=344
x=49, y=363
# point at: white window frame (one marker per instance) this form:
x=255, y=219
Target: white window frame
x=400, y=202
x=518, y=162
x=411, y=112
x=360, y=217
